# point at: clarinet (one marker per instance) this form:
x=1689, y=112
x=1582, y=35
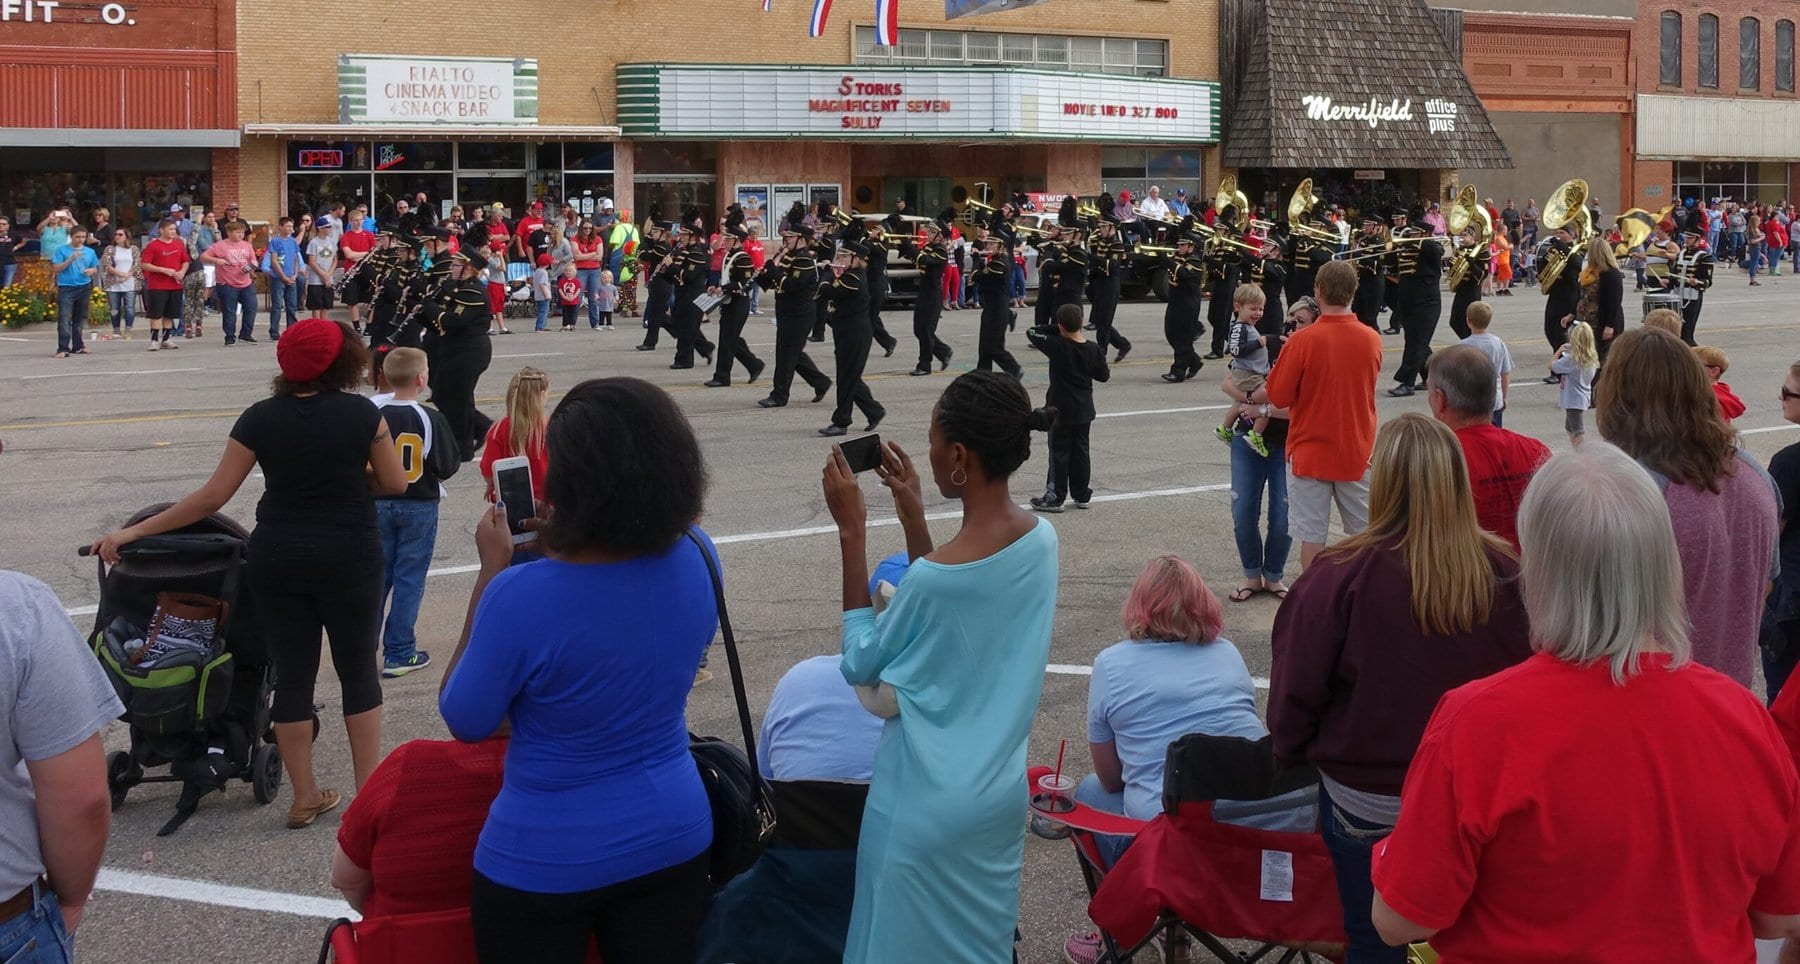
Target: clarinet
x=337, y=288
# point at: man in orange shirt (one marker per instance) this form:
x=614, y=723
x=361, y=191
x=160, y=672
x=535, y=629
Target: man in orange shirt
x=1326, y=378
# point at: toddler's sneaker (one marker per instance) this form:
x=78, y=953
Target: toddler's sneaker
x=396, y=668
x=1256, y=443
x=1225, y=434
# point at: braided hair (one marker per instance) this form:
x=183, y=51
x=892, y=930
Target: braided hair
x=990, y=414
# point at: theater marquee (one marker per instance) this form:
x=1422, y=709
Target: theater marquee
x=977, y=103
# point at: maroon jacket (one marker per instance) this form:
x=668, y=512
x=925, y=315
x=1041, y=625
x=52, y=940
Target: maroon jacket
x=1355, y=680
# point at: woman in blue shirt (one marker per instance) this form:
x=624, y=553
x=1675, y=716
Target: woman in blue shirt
x=602, y=825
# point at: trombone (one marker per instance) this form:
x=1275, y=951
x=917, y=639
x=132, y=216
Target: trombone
x=1215, y=236
x=1154, y=249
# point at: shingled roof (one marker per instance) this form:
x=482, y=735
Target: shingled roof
x=1350, y=83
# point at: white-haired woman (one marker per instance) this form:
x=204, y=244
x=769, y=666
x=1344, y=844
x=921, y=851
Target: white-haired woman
x=1609, y=798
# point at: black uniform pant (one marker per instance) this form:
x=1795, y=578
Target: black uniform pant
x=926, y=315
x=1418, y=322
x=1554, y=331
x=656, y=312
x=1103, y=307
x=996, y=311
x=791, y=357
x=878, y=300
x=1300, y=284
x=460, y=362
x=1371, y=295
x=851, y=348
x=1044, y=308
x=1070, y=464
x=1466, y=295
x=732, y=316
x=1179, y=329
x=1690, y=319
x=1218, y=315
x=686, y=329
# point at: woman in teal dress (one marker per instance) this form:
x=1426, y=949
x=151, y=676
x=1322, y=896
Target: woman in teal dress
x=962, y=648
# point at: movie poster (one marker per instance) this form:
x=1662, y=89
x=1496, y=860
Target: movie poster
x=972, y=8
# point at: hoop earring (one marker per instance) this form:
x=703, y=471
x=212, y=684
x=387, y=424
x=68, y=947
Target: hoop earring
x=959, y=482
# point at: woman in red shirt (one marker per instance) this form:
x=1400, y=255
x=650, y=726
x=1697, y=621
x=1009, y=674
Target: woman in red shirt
x=590, y=258
x=1608, y=799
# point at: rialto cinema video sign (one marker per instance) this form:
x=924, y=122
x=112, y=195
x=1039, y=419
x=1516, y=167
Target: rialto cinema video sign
x=980, y=103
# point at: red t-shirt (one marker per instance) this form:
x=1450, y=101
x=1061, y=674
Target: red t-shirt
x=414, y=825
x=523, y=229
x=361, y=241
x=1501, y=464
x=1731, y=405
x=165, y=254
x=587, y=253
x=568, y=291
x=1553, y=815
x=499, y=446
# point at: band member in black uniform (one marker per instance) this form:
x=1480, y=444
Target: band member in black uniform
x=1371, y=261
x=1391, y=290
x=928, y=308
x=995, y=284
x=1475, y=254
x=1222, y=261
x=1562, y=296
x=657, y=266
x=426, y=295
x=878, y=284
x=1306, y=255
x=1689, y=277
x=464, y=351
x=1106, y=255
x=848, y=303
x=1418, y=302
x=1049, y=265
x=1269, y=273
x=1181, y=317
x=390, y=279
x=692, y=263
x=1072, y=273
x=793, y=277
x=831, y=224
x=737, y=273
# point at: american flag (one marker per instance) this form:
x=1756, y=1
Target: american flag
x=887, y=22
x=821, y=10
x=766, y=4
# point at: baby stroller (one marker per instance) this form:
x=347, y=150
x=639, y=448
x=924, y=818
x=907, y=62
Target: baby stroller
x=200, y=708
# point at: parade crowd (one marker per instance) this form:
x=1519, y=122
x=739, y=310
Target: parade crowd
x=1610, y=608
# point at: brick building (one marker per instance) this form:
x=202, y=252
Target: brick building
x=1717, y=110
x=679, y=104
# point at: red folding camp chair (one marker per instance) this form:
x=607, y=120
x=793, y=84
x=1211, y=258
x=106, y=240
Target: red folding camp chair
x=438, y=937
x=1188, y=873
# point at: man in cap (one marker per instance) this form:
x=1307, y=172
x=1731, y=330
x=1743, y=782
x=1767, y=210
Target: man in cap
x=184, y=227
x=738, y=272
x=848, y=303
x=1105, y=257
x=793, y=277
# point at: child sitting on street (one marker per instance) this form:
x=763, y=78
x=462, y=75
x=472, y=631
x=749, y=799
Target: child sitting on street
x=1249, y=367
x=1717, y=363
x=408, y=522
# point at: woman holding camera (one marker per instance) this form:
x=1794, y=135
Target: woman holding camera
x=941, y=846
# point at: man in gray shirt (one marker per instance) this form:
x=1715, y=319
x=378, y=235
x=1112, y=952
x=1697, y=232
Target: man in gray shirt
x=55, y=810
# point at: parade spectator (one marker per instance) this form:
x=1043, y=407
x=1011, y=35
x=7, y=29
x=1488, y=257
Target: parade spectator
x=184, y=225
x=354, y=245
x=321, y=254
x=1256, y=476
x=1574, y=366
x=1781, y=616
x=1178, y=205
x=1153, y=206
x=1494, y=832
x=543, y=292
x=1382, y=626
x=1777, y=243
x=234, y=260
x=602, y=824
x=1481, y=317
x=1461, y=385
x=101, y=234
x=408, y=522
x=1655, y=403
x=165, y=265
x=561, y=250
x=530, y=237
x=76, y=267
x=607, y=297
x=1717, y=363
x=55, y=706
x=283, y=264
x=9, y=247
x=948, y=767
x=590, y=260
x=1602, y=302
x=315, y=557
x=53, y=232
x=123, y=269
x=1753, y=248
x=1324, y=382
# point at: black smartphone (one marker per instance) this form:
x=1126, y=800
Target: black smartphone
x=512, y=480
x=863, y=454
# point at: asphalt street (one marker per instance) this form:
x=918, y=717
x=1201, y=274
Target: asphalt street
x=90, y=439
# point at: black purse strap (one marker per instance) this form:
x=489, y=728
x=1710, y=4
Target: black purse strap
x=731, y=653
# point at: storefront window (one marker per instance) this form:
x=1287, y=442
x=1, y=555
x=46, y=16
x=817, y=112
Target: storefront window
x=1669, y=74
x=412, y=156
x=1735, y=180
x=677, y=157
x=509, y=173
x=1113, y=55
x=597, y=156
x=1750, y=53
x=1784, y=55
x=137, y=186
x=504, y=157
x=1135, y=169
x=1709, y=50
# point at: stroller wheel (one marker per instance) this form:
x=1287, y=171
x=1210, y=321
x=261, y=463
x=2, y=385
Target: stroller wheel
x=121, y=775
x=265, y=772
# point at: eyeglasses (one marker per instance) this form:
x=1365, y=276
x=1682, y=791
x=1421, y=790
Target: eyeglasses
x=1787, y=395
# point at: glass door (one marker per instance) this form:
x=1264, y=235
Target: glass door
x=669, y=198
x=924, y=195
x=509, y=190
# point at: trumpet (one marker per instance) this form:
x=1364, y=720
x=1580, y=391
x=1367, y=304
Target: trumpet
x=1153, y=249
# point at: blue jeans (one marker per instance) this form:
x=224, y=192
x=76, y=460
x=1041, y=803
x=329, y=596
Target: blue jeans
x=590, y=284
x=1752, y=260
x=1018, y=280
x=1263, y=557
x=408, y=529
x=284, y=298
x=71, y=316
x=1734, y=244
x=1774, y=258
x=37, y=936
x=1089, y=792
x=543, y=315
x=231, y=301
x=122, y=306
x=1499, y=418
x=1352, y=842
x=7, y=272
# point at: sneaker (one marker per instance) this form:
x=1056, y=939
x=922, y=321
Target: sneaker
x=1083, y=948
x=1225, y=434
x=1256, y=443
x=1082, y=504
x=394, y=669
x=153, y=346
x=246, y=339
x=1044, y=504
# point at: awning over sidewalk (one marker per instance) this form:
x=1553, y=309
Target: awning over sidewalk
x=1349, y=83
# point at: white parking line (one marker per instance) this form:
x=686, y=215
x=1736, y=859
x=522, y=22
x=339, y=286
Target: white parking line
x=1771, y=428
x=1164, y=411
x=139, y=371
x=221, y=895
x=531, y=354
x=1077, y=669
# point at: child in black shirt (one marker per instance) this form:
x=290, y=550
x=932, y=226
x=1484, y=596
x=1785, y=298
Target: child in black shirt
x=1075, y=365
x=408, y=521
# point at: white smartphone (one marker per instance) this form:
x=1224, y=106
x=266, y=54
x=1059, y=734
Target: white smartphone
x=512, y=481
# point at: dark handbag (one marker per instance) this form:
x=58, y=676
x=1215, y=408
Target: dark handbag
x=743, y=805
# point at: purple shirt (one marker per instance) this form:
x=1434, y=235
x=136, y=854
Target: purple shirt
x=1727, y=544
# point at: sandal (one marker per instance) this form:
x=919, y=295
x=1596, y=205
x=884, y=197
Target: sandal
x=60, y=354
x=1277, y=593
x=1244, y=593
x=300, y=817
x=83, y=351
